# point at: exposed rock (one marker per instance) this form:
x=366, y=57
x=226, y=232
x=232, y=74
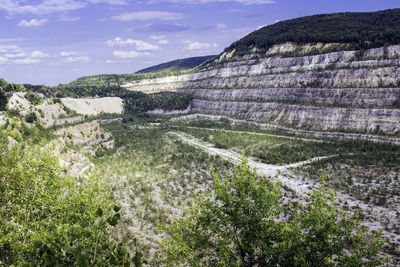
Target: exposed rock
x=11, y=142
x=372, y=68
x=358, y=97
x=346, y=90
x=89, y=137
x=94, y=106
x=310, y=117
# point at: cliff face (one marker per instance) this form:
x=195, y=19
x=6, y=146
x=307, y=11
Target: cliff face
x=308, y=117
x=350, y=90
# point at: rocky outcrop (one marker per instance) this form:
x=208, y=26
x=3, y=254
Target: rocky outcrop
x=94, y=106
x=310, y=117
x=372, y=68
x=357, y=97
x=347, y=90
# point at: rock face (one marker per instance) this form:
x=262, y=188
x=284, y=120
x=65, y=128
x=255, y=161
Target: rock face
x=352, y=97
x=94, y=106
x=309, y=117
x=347, y=90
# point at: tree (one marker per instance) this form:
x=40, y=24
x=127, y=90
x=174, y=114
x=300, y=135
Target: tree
x=3, y=100
x=31, y=117
x=47, y=219
x=243, y=224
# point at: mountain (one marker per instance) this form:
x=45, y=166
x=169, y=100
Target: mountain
x=177, y=65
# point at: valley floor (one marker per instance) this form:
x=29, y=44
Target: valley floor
x=156, y=165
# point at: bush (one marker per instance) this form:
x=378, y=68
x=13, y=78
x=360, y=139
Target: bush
x=3, y=101
x=47, y=219
x=242, y=225
x=31, y=117
x=33, y=98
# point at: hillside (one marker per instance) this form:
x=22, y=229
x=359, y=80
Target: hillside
x=178, y=65
x=359, y=30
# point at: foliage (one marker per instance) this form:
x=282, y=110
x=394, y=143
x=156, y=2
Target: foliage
x=177, y=65
x=241, y=225
x=360, y=30
x=14, y=87
x=33, y=98
x=3, y=101
x=134, y=101
x=139, y=102
x=47, y=219
x=31, y=117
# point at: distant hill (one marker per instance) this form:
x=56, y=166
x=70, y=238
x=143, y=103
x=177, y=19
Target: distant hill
x=177, y=65
x=360, y=30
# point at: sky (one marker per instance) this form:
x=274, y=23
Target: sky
x=56, y=41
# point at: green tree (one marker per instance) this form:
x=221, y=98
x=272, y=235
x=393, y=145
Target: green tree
x=3, y=101
x=47, y=219
x=31, y=117
x=243, y=224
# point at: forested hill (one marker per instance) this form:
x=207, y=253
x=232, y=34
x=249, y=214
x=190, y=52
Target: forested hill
x=360, y=30
x=177, y=65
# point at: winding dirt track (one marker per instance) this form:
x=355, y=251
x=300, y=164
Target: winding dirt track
x=376, y=214
x=263, y=169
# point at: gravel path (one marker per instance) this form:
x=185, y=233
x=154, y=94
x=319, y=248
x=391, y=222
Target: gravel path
x=375, y=215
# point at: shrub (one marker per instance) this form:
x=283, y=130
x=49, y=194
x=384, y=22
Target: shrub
x=242, y=225
x=31, y=117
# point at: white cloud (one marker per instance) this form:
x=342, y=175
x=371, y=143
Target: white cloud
x=140, y=45
x=76, y=59
x=157, y=37
x=130, y=54
x=120, y=61
x=243, y=2
x=3, y=60
x=65, y=18
x=162, y=42
x=220, y=26
x=38, y=54
x=111, y=2
x=199, y=46
x=27, y=61
x=32, y=23
x=45, y=7
x=15, y=55
x=10, y=49
x=149, y=15
x=68, y=53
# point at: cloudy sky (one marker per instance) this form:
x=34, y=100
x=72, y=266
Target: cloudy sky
x=55, y=41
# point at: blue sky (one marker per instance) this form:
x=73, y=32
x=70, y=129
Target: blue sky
x=56, y=41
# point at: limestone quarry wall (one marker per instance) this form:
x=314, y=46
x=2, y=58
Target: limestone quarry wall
x=94, y=106
x=347, y=90
x=357, y=97
x=309, y=117
x=372, y=68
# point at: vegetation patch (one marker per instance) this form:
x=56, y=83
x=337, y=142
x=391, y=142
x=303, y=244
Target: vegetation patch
x=359, y=30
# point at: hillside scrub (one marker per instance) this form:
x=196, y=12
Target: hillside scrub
x=241, y=225
x=47, y=219
x=360, y=30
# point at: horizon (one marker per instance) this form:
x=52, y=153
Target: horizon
x=51, y=42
